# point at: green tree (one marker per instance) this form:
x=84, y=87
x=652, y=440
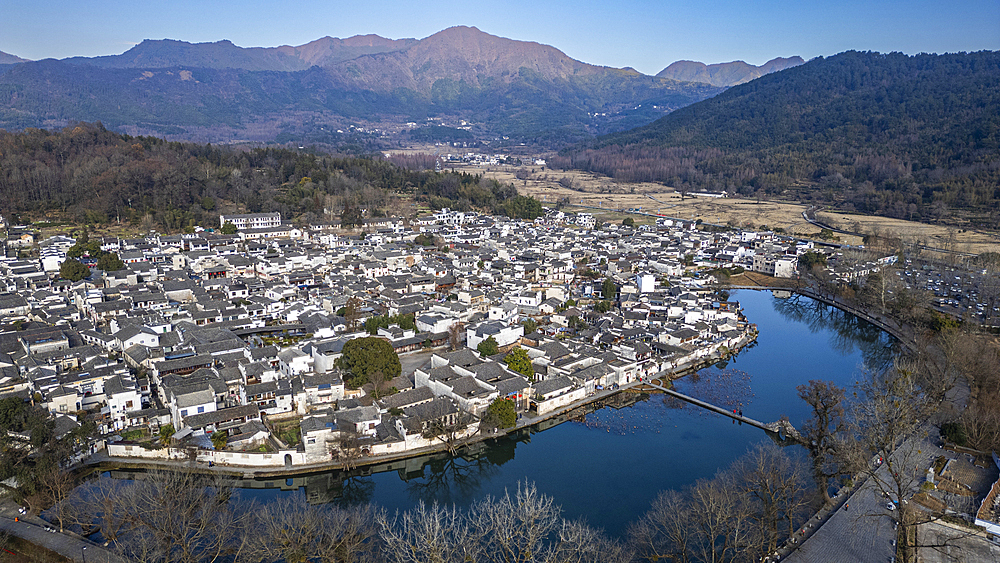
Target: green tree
x=529, y=325
x=608, y=289
x=84, y=247
x=628, y=222
x=519, y=361
x=372, y=324
x=166, y=431
x=207, y=203
x=110, y=262
x=407, y=321
x=219, y=440
x=501, y=414
x=488, y=347
x=365, y=356
x=603, y=306
x=810, y=259
x=73, y=270
x=523, y=207
x=350, y=217
x=228, y=228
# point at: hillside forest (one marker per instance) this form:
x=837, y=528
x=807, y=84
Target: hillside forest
x=87, y=174
x=910, y=137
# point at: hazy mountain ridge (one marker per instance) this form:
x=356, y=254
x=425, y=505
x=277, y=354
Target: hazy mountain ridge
x=8, y=59
x=725, y=74
x=331, y=50
x=169, y=53
x=507, y=87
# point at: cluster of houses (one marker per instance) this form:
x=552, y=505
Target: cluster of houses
x=210, y=335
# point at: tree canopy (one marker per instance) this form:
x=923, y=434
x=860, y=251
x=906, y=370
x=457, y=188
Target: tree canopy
x=488, y=347
x=110, y=262
x=364, y=356
x=96, y=176
x=608, y=288
x=519, y=361
x=73, y=270
x=501, y=413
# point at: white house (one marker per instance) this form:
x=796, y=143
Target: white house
x=504, y=335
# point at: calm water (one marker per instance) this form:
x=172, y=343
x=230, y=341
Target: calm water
x=607, y=468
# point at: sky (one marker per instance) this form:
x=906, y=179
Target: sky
x=644, y=34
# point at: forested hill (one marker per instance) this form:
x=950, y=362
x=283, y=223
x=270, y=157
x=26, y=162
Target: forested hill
x=218, y=91
x=907, y=136
x=89, y=174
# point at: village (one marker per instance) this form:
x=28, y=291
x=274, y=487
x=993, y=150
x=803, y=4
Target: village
x=227, y=348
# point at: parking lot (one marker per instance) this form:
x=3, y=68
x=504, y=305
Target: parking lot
x=967, y=293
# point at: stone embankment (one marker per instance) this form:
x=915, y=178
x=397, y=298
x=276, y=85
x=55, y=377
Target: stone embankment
x=288, y=462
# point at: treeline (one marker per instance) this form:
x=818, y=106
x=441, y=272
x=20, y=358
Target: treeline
x=907, y=137
x=92, y=175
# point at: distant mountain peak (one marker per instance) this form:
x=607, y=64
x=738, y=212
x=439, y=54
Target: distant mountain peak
x=725, y=74
x=8, y=59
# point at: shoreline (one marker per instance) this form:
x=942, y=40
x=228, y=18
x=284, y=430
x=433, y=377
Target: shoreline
x=538, y=423
x=106, y=462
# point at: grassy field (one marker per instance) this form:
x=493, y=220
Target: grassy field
x=590, y=190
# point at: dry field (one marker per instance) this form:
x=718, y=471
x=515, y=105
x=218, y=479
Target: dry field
x=590, y=190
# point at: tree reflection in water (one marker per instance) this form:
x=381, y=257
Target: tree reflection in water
x=848, y=331
x=357, y=490
x=453, y=479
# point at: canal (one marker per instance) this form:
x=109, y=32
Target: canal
x=608, y=466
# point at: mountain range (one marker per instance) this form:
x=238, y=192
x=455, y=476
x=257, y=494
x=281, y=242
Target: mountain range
x=725, y=74
x=167, y=53
x=8, y=59
x=219, y=91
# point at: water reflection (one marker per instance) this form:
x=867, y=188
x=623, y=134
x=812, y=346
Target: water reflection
x=847, y=332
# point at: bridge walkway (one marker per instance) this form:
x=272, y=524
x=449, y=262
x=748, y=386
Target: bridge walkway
x=711, y=407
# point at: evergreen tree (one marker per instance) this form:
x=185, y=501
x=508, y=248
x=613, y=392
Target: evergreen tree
x=519, y=361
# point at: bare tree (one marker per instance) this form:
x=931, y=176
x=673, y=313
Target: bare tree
x=773, y=486
x=887, y=424
x=720, y=522
x=291, y=530
x=167, y=516
x=455, y=335
x=448, y=431
x=349, y=449
x=824, y=432
x=378, y=384
x=352, y=314
x=981, y=423
x=429, y=534
x=665, y=531
x=525, y=527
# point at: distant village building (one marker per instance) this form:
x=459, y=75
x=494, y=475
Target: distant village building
x=252, y=220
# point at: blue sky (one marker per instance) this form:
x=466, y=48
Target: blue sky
x=644, y=34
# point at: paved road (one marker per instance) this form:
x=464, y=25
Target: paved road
x=862, y=533
x=71, y=546
x=865, y=532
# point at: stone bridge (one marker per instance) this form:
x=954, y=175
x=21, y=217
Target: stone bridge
x=783, y=429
